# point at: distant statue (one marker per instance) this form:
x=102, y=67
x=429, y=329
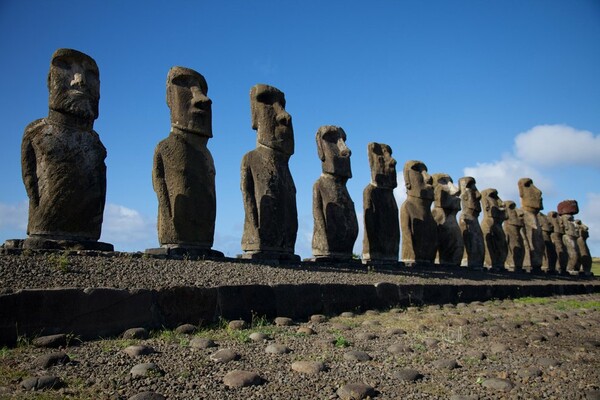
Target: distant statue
x=446, y=205
x=558, y=231
x=531, y=204
x=419, y=230
x=567, y=209
x=183, y=174
x=335, y=223
x=550, y=256
x=472, y=234
x=513, y=227
x=495, y=240
x=584, y=251
x=268, y=190
x=63, y=160
x=382, y=228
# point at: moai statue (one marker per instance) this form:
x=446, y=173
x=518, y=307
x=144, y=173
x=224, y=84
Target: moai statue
x=446, y=205
x=419, y=230
x=63, y=160
x=567, y=209
x=335, y=223
x=550, y=256
x=513, y=227
x=183, y=174
x=558, y=231
x=531, y=204
x=584, y=251
x=494, y=215
x=469, y=223
x=382, y=228
x=268, y=190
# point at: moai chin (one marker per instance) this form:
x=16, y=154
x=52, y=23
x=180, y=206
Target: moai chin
x=513, y=227
x=584, y=251
x=335, y=223
x=494, y=215
x=531, y=204
x=183, y=174
x=381, y=240
x=558, y=231
x=62, y=160
x=268, y=190
x=472, y=234
x=550, y=256
x=446, y=206
x=567, y=209
x=419, y=230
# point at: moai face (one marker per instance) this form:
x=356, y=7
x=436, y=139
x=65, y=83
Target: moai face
x=531, y=196
x=470, y=196
x=333, y=152
x=383, y=165
x=512, y=212
x=492, y=205
x=445, y=192
x=556, y=221
x=269, y=118
x=417, y=181
x=74, y=84
x=191, y=109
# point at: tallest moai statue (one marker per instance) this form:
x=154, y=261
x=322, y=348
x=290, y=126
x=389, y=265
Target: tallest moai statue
x=63, y=160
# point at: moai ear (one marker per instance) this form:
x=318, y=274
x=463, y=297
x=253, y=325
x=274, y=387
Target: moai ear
x=320, y=151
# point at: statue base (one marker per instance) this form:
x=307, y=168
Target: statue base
x=381, y=262
x=42, y=243
x=184, y=251
x=269, y=256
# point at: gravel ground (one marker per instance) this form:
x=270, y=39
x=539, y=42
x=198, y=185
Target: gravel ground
x=532, y=348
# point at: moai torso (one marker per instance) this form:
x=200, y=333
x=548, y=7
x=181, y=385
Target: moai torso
x=335, y=222
x=570, y=241
x=495, y=240
x=558, y=231
x=419, y=230
x=472, y=234
x=446, y=206
x=514, y=240
x=550, y=256
x=531, y=204
x=381, y=240
x=584, y=251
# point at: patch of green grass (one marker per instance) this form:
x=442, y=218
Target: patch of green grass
x=341, y=341
x=563, y=305
x=9, y=374
x=533, y=300
x=60, y=262
x=596, y=266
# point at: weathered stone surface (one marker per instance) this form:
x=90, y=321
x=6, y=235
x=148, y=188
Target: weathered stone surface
x=183, y=174
x=239, y=378
x=308, y=367
x=356, y=391
x=284, y=321
x=446, y=205
x=503, y=385
x=531, y=204
x=407, y=375
x=419, y=230
x=570, y=241
x=62, y=159
x=549, y=261
x=138, y=350
x=224, y=356
x=186, y=329
x=202, y=343
x=449, y=363
x=145, y=369
x=258, y=336
x=335, y=224
x=268, y=190
x=568, y=207
x=52, y=359
x=318, y=318
x=135, y=333
x=381, y=240
x=584, y=251
x=399, y=348
x=42, y=383
x=558, y=231
x=357, y=355
x=305, y=330
x=491, y=225
x=513, y=229
x=472, y=234
x=147, y=396
x=52, y=341
x=277, y=349
x=237, y=324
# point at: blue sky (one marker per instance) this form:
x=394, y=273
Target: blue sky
x=496, y=89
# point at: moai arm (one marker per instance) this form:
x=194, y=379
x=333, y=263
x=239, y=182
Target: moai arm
x=248, y=195
x=159, y=183
x=318, y=213
x=29, y=166
x=405, y=226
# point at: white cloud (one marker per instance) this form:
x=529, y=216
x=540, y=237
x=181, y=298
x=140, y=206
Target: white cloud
x=127, y=229
x=14, y=216
x=590, y=215
x=550, y=145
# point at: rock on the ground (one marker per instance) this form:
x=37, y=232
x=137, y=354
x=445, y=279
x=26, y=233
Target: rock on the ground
x=239, y=378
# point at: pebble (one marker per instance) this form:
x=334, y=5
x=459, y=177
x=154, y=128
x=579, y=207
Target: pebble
x=145, y=369
x=258, y=336
x=42, y=383
x=305, y=330
x=497, y=384
x=475, y=354
x=496, y=348
x=237, y=325
x=347, y=314
x=537, y=337
x=52, y=359
x=148, y=396
x=356, y=391
x=341, y=327
x=135, y=333
x=529, y=372
x=396, y=331
x=202, y=343
x=284, y=321
x=399, y=348
x=371, y=322
x=318, y=318
x=138, y=350
x=449, y=363
x=277, y=349
x=407, y=375
x=365, y=336
x=224, y=356
x=357, y=355
x=431, y=342
x=239, y=378
x=53, y=341
x=186, y=329
x=308, y=367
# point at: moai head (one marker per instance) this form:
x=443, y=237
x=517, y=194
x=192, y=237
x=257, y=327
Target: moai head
x=492, y=205
x=74, y=84
x=187, y=98
x=514, y=216
x=383, y=165
x=333, y=152
x=531, y=196
x=269, y=118
x=545, y=223
x=556, y=221
x=584, y=231
x=469, y=196
x=417, y=181
x=446, y=194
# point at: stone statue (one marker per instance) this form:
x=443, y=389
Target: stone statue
x=513, y=227
x=419, y=230
x=558, y=231
x=183, y=175
x=567, y=209
x=382, y=228
x=335, y=223
x=446, y=205
x=63, y=160
x=584, y=251
x=268, y=190
x=531, y=204
x=470, y=197
x=550, y=256
x=494, y=215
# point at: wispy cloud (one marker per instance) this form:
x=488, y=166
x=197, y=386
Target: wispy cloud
x=127, y=229
x=590, y=215
x=14, y=216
